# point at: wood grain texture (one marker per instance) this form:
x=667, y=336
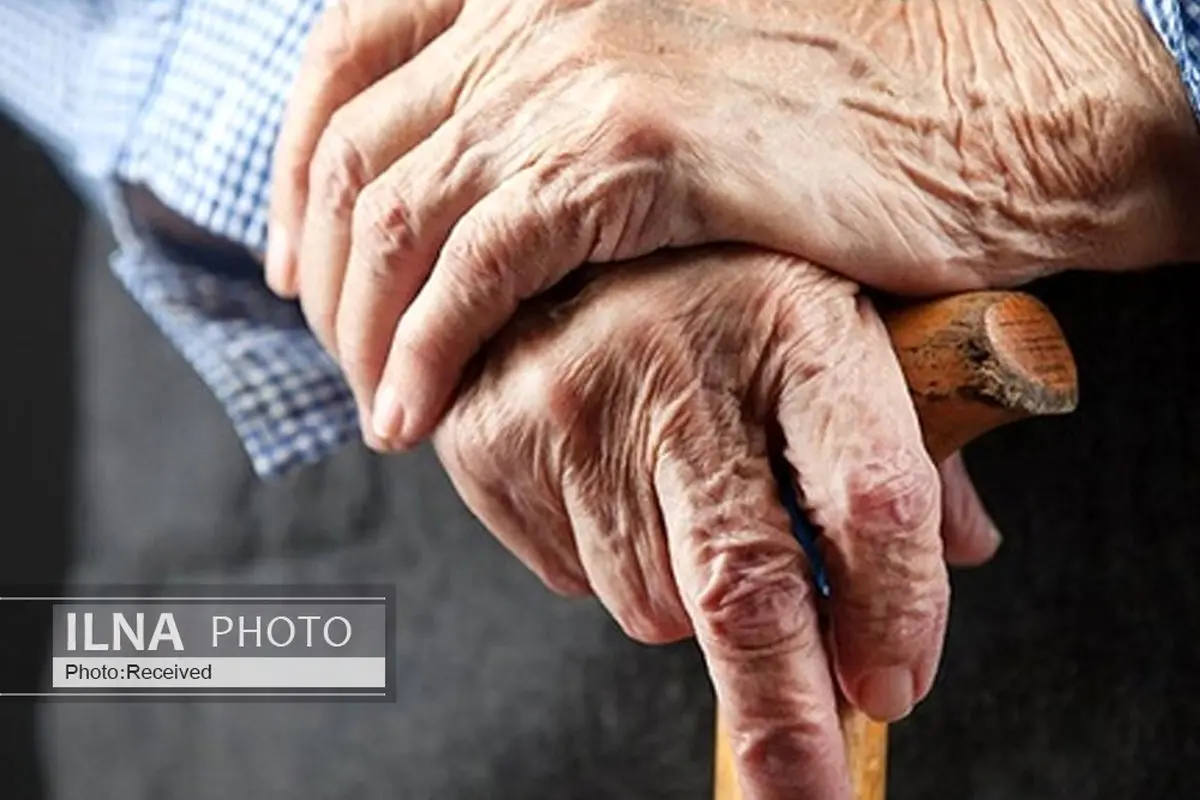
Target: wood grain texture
x=973, y=362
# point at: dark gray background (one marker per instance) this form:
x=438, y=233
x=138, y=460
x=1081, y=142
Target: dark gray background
x=1070, y=672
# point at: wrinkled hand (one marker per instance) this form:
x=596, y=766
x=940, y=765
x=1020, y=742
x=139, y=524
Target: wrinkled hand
x=444, y=159
x=617, y=442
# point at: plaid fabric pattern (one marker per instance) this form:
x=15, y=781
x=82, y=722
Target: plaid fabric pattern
x=1178, y=25
x=283, y=394
x=186, y=97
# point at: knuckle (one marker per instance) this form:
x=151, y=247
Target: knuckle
x=464, y=154
x=816, y=316
x=469, y=444
x=631, y=120
x=333, y=44
x=652, y=629
x=803, y=741
x=898, y=493
x=466, y=160
x=755, y=600
x=564, y=401
x=475, y=268
x=383, y=234
x=338, y=171
x=562, y=583
x=620, y=209
x=538, y=384
x=539, y=387
x=628, y=150
x=647, y=605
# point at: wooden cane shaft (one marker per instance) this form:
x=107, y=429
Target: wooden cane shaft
x=972, y=362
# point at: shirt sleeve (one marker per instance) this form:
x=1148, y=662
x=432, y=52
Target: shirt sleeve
x=1177, y=23
x=202, y=143
x=186, y=97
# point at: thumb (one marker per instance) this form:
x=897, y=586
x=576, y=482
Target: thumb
x=969, y=535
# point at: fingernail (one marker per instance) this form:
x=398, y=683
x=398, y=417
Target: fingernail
x=887, y=694
x=993, y=539
x=368, y=429
x=388, y=418
x=279, y=256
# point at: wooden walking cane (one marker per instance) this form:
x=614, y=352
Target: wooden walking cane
x=973, y=362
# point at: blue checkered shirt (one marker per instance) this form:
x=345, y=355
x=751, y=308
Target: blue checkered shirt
x=186, y=98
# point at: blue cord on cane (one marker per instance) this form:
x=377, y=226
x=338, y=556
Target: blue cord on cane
x=801, y=528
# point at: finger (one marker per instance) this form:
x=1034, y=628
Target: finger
x=362, y=140
x=853, y=438
x=474, y=288
x=742, y=579
x=970, y=536
x=400, y=224
x=623, y=549
x=352, y=45
x=514, y=244
x=524, y=512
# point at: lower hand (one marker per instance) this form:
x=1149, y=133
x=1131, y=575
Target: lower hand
x=617, y=442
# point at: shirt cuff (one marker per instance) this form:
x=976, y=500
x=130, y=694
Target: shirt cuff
x=286, y=398
x=1177, y=23
x=202, y=144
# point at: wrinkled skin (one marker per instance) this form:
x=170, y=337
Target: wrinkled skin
x=617, y=441
x=444, y=159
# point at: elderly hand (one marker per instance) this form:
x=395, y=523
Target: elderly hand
x=444, y=159
x=616, y=442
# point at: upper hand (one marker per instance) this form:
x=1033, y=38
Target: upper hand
x=442, y=160
x=617, y=442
